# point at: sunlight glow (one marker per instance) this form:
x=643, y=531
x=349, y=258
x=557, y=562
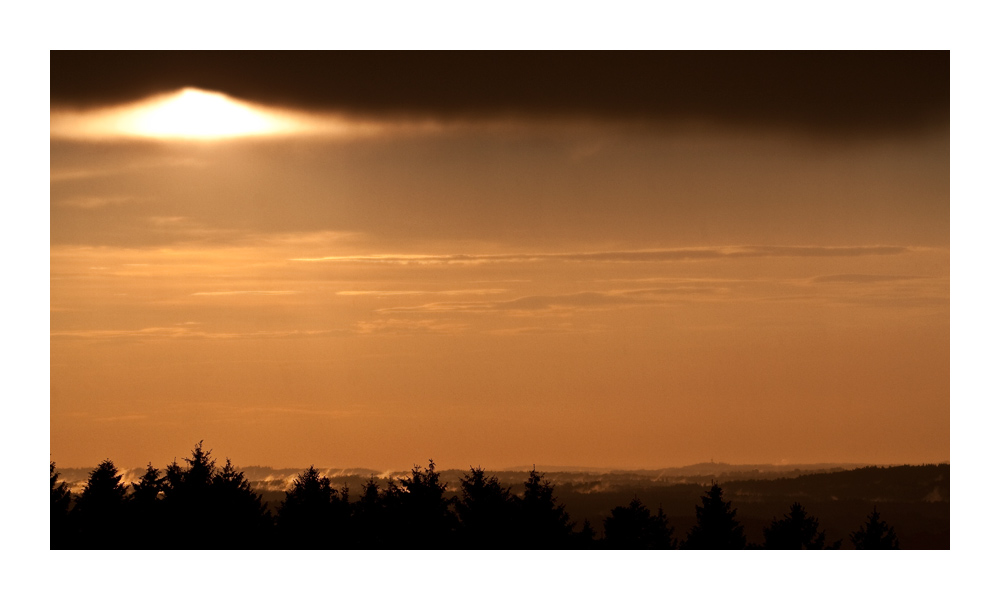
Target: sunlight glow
x=189, y=113
x=195, y=113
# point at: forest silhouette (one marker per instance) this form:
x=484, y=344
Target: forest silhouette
x=200, y=505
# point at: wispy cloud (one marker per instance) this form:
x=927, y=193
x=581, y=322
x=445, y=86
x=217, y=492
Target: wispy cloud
x=73, y=173
x=408, y=327
x=185, y=333
x=468, y=292
x=94, y=202
x=560, y=329
x=578, y=300
x=117, y=418
x=676, y=254
x=864, y=278
x=293, y=410
x=249, y=293
x=679, y=290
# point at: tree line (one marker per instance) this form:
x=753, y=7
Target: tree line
x=203, y=506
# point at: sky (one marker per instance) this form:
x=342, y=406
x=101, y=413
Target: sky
x=629, y=260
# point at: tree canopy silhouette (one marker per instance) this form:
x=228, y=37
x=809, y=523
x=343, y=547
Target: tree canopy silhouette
x=544, y=523
x=201, y=506
x=369, y=519
x=100, y=510
x=241, y=518
x=59, y=498
x=716, y=527
x=211, y=508
x=633, y=527
x=424, y=515
x=796, y=531
x=875, y=534
x=145, y=508
x=313, y=514
x=487, y=512
x=147, y=490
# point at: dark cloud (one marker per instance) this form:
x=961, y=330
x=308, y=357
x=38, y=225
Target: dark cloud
x=845, y=93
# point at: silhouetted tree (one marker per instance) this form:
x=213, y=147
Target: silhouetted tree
x=633, y=527
x=241, y=519
x=187, y=501
x=59, y=497
x=585, y=538
x=425, y=519
x=544, y=524
x=100, y=510
x=144, y=509
x=716, y=527
x=148, y=488
x=875, y=534
x=796, y=531
x=368, y=518
x=183, y=485
x=313, y=515
x=486, y=511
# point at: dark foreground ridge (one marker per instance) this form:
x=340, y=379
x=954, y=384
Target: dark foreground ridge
x=204, y=506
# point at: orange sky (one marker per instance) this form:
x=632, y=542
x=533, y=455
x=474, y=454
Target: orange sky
x=500, y=291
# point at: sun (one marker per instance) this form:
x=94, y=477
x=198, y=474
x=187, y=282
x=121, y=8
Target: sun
x=194, y=113
x=189, y=113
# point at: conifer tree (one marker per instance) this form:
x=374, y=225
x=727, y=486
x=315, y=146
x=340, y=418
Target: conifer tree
x=313, y=515
x=148, y=488
x=875, y=534
x=59, y=498
x=144, y=509
x=633, y=527
x=426, y=518
x=716, y=527
x=544, y=524
x=585, y=538
x=100, y=510
x=486, y=511
x=187, y=501
x=187, y=486
x=240, y=519
x=796, y=531
x=366, y=513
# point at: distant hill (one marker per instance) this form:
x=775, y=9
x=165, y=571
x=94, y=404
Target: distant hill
x=579, y=479
x=702, y=469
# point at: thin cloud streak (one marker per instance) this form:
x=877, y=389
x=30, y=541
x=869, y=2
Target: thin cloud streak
x=679, y=254
x=70, y=174
x=185, y=333
x=117, y=418
x=409, y=327
x=579, y=300
x=773, y=291
x=95, y=202
x=291, y=410
x=471, y=292
x=864, y=278
x=249, y=293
